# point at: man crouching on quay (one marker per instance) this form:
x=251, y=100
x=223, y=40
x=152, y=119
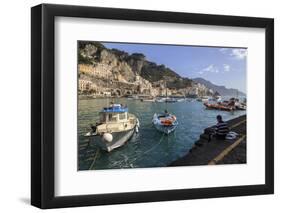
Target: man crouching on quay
x=220, y=131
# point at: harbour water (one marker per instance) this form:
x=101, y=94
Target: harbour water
x=148, y=148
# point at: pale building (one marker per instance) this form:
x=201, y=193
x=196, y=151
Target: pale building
x=84, y=85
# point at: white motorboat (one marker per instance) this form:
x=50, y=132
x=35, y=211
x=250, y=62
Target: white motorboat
x=205, y=99
x=160, y=100
x=115, y=127
x=181, y=100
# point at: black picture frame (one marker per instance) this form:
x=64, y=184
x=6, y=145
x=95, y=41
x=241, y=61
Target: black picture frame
x=43, y=105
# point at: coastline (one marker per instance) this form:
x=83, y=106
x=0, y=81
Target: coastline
x=217, y=151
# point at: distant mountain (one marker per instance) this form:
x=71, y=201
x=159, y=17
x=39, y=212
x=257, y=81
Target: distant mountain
x=222, y=90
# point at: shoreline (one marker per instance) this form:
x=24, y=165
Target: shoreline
x=217, y=151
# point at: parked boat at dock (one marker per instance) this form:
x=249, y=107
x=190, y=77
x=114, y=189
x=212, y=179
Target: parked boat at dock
x=230, y=105
x=218, y=106
x=115, y=127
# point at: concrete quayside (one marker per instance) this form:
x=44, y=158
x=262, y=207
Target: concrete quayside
x=212, y=152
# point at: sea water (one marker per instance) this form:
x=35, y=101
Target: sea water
x=148, y=147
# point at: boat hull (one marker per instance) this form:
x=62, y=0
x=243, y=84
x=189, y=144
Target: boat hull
x=119, y=139
x=218, y=107
x=167, y=129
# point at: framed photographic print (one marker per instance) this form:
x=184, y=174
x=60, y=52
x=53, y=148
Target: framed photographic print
x=139, y=106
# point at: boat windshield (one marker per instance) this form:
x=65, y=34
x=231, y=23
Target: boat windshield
x=122, y=116
x=108, y=117
x=112, y=117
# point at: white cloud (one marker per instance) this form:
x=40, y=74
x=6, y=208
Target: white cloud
x=223, y=50
x=226, y=67
x=235, y=53
x=209, y=69
x=239, y=53
x=214, y=69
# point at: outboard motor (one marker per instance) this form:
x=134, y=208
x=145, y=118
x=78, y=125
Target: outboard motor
x=94, y=128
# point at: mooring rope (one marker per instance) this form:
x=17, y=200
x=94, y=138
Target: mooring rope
x=94, y=160
x=149, y=150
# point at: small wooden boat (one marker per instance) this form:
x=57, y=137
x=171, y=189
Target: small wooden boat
x=165, y=122
x=115, y=127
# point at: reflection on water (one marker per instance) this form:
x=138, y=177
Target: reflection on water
x=148, y=148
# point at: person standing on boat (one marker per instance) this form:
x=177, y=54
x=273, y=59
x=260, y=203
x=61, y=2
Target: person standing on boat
x=221, y=129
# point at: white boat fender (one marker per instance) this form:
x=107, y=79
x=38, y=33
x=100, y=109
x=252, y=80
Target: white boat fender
x=138, y=123
x=107, y=137
x=137, y=129
x=230, y=136
x=88, y=134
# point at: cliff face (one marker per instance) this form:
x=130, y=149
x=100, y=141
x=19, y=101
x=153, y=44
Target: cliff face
x=129, y=65
x=107, y=67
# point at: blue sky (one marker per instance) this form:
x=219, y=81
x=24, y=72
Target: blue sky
x=220, y=65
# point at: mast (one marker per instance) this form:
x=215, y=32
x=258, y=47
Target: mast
x=166, y=94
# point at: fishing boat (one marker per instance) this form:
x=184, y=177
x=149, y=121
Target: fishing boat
x=115, y=127
x=165, y=122
x=218, y=106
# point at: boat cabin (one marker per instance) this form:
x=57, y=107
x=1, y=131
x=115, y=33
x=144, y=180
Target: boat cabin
x=114, y=113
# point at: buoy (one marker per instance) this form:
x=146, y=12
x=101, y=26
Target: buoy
x=107, y=137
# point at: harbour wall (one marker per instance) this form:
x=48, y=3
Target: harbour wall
x=205, y=152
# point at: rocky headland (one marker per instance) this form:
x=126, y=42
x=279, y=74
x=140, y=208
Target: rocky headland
x=111, y=72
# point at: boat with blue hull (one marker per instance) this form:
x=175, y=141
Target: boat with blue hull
x=115, y=127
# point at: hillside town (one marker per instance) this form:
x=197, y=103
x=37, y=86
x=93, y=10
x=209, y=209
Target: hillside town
x=100, y=80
